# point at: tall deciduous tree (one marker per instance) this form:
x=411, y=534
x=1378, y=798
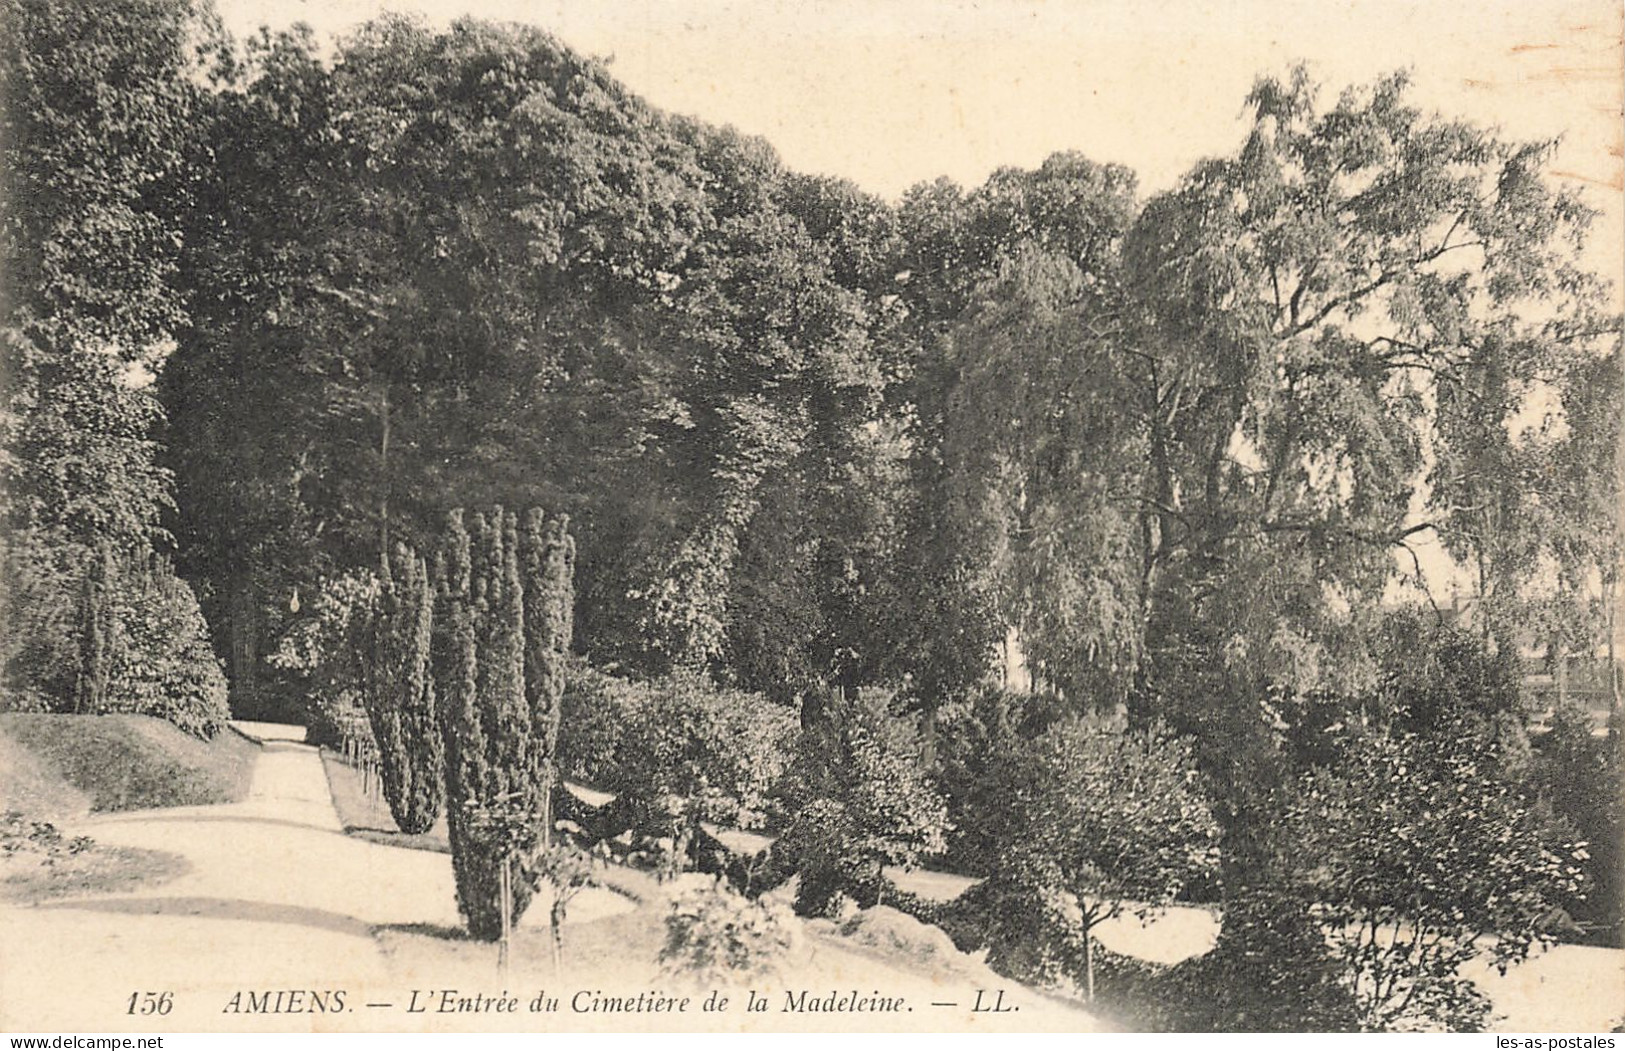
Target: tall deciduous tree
x=1341, y=323
x=1021, y=446
x=99, y=111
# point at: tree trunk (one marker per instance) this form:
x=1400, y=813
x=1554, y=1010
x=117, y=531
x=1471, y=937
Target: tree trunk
x=1089, y=963
x=383, y=470
x=245, y=643
x=1562, y=674
x=1611, y=604
x=505, y=896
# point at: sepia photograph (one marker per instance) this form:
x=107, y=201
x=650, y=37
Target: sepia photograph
x=754, y=516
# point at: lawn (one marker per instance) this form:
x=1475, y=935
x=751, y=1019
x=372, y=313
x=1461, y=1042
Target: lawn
x=57, y=769
x=59, y=766
x=28, y=878
x=365, y=814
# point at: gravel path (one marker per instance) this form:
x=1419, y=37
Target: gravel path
x=276, y=897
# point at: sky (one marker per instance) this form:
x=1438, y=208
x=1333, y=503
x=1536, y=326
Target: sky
x=892, y=92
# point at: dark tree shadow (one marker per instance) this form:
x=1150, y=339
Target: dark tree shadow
x=428, y=930
x=223, y=909
x=227, y=819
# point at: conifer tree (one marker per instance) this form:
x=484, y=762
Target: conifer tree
x=506, y=625
x=456, y=677
x=400, y=695
x=547, y=553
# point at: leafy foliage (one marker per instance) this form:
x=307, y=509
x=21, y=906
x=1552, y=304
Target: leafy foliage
x=97, y=123
x=1105, y=819
x=159, y=659
x=982, y=750
x=322, y=650
x=1418, y=856
x=1581, y=777
x=862, y=798
x=717, y=937
x=677, y=750
x=1171, y=455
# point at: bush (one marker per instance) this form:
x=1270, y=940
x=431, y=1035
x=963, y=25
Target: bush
x=1580, y=779
x=715, y=936
x=1416, y=855
x=720, y=751
x=597, y=709
x=40, y=613
x=980, y=748
x=160, y=661
x=1096, y=816
x=863, y=798
x=106, y=634
x=1268, y=973
x=678, y=750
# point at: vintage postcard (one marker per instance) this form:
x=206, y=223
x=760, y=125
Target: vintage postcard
x=922, y=516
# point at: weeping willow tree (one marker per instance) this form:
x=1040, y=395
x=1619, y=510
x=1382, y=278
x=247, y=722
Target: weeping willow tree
x=1339, y=330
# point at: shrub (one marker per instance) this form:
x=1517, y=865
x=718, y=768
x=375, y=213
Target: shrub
x=980, y=748
x=1100, y=816
x=1580, y=778
x=1417, y=855
x=1269, y=972
x=105, y=633
x=597, y=708
x=863, y=799
x=718, y=751
x=715, y=936
x=159, y=659
x=40, y=611
x=546, y=555
x=677, y=750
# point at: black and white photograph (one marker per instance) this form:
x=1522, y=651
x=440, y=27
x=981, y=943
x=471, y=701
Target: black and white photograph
x=709, y=516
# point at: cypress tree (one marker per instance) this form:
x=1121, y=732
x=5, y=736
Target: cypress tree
x=547, y=554
x=499, y=665
x=456, y=675
x=420, y=730
x=400, y=696
x=377, y=685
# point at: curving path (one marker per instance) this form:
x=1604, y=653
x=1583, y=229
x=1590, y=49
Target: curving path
x=276, y=897
x=278, y=903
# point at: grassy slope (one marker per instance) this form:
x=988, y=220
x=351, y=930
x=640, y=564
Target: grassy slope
x=55, y=766
x=28, y=784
